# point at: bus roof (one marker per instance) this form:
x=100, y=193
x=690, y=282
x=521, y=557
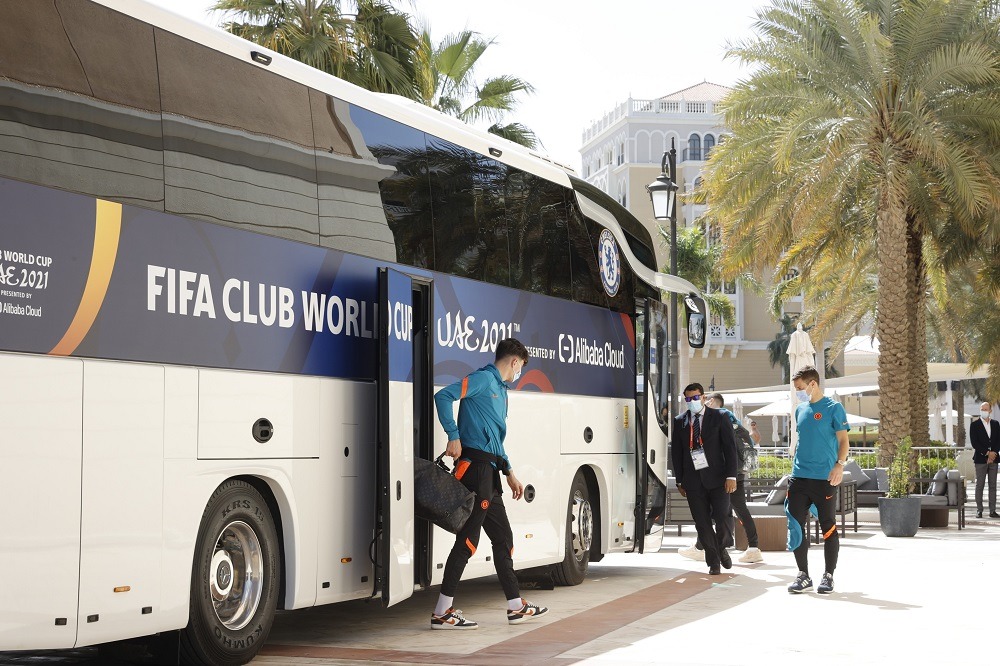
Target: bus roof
x=417, y=115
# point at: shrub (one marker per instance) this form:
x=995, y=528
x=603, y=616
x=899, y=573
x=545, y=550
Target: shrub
x=901, y=469
x=772, y=467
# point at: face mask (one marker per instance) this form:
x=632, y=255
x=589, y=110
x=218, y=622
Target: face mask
x=983, y=414
x=694, y=406
x=802, y=396
x=517, y=374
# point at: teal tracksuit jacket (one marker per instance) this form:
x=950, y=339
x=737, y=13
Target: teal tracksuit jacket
x=482, y=412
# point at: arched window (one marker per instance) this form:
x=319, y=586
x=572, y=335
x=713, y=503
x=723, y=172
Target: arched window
x=709, y=145
x=694, y=147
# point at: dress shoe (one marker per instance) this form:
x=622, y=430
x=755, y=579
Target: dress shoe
x=994, y=514
x=979, y=514
x=714, y=571
x=727, y=561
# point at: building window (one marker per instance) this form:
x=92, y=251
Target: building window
x=621, y=154
x=694, y=148
x=709, y=145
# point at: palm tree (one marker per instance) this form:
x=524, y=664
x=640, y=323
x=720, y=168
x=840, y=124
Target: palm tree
x=445, y=80
x=697, y=262
x=868, y=130
x=373, y=48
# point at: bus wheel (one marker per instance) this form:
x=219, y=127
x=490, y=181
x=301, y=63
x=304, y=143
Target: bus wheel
x=234, y=582
x=579, y=534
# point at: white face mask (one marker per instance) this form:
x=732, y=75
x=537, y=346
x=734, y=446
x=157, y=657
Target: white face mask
x=517, y=374
x=802, y=395
x=984, y=414
x=694, y=406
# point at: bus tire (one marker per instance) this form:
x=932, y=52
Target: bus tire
x=235, y=578
x=579, y=534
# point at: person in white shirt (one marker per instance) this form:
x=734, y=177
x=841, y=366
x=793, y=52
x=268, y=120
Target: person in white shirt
x=985, y=437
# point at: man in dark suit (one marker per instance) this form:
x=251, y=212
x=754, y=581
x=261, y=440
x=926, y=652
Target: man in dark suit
x=985, y=436
x=703, y=452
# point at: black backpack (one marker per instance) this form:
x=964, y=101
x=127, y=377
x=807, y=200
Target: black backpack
x=745, y=448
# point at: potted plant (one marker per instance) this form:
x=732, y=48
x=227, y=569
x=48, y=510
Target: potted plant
x=898, y=511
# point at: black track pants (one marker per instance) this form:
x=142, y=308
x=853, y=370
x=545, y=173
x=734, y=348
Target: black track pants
x=802, y=493
x=490, y=514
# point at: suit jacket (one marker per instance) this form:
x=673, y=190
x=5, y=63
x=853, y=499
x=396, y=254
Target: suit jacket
x=980, y=442
x=720, y=450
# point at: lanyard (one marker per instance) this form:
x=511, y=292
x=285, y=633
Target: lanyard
x=701, y=440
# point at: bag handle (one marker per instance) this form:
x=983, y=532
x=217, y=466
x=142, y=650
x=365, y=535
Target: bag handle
x=441, y=463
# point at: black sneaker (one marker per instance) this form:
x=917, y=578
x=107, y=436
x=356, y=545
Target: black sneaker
x=726, y=559
x=802, y=583
x=825, y=584
x=527, y=612
x=453, y=619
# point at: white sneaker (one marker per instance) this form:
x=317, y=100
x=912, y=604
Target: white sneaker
x=752, y=555
x=692, y=553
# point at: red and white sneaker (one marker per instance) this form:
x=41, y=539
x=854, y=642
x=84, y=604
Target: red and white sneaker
x=453, y=619
x=528, y=611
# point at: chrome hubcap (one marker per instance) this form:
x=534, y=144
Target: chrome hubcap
x=583, y=526
x=237, y=575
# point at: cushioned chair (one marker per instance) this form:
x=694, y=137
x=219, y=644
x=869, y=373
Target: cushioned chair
x=946, y=492
x=876, y=484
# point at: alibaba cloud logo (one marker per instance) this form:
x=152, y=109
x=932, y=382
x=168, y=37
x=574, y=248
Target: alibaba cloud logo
x=565, y=348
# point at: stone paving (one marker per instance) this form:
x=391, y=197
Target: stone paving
x=928, y=599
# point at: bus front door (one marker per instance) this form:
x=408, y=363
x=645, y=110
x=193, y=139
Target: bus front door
x=394, y=519
x=652, y=393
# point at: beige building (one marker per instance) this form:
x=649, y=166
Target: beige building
x=621, y=154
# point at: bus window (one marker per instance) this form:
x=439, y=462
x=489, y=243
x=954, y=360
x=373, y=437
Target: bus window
x=373, y=194
x=238, y=142
x=79, y=102
x=539, y=239
x=587, y=286
x=470, y=230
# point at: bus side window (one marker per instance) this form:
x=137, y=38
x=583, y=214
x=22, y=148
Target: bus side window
x=79, y=101
x=238, y=142
x=387, y=213
x=587, y=286
x=539, y=239
x=470, y=230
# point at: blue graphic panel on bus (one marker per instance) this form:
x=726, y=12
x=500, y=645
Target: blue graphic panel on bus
x=573, y=348
x=400, y=326
x=91, y=278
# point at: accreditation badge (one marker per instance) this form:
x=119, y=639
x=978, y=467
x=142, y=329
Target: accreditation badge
x=698, y=458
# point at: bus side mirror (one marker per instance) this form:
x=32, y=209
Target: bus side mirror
x=696, y=320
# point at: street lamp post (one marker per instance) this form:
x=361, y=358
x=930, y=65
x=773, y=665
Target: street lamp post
x=663, y=195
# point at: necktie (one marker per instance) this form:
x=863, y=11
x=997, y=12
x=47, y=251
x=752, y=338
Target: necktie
x=697, y=431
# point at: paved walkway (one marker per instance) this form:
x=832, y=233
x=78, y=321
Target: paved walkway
x=896, y=601
x=928, y=599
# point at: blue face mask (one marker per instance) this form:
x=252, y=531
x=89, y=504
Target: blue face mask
x=802, y=396
x=694, y=406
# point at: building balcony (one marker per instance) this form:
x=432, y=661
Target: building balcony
x=648, y=108
x=696, y=154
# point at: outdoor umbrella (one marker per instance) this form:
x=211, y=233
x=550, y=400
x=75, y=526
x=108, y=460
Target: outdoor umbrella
x=774, y=410
x=936, y=424
x=800, y=354
x=854, y=420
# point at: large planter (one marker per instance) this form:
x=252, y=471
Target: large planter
x=899, y=516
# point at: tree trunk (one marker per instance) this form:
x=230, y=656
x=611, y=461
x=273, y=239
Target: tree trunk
x=917, y=356
x=892, y=323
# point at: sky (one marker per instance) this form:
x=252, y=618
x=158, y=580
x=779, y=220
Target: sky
x=584, y=57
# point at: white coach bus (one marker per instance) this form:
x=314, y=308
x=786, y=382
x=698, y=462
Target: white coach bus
x=229, y=286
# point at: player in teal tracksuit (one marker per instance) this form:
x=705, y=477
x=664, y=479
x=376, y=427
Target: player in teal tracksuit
x=476, y=444
x=817, y=470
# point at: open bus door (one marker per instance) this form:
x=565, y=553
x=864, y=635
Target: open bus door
x=394, y=528
x=651, y=451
